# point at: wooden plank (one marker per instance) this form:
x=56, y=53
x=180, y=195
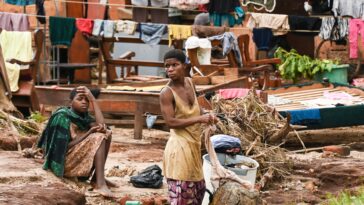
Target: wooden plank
x=59, y=96
x=298, y=89
x=136, y=63
x=305, y=92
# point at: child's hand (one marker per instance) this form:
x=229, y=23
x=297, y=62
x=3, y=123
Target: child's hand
x=102, y=128
x=93, y=129
x=208, y=119
x=85, y=91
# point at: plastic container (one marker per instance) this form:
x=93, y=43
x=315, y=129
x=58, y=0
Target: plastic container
x=338, y=74
x=132, y=203
x=245, y=173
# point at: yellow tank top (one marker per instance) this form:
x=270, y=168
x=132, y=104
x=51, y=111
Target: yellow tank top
x=182, y=155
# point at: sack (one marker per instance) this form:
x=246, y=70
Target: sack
x=151, y=177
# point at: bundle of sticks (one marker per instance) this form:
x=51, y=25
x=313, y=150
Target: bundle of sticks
x=261, y=130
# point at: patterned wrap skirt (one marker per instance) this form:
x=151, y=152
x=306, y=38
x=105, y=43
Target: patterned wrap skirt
x=186, y=192
x=80, y=158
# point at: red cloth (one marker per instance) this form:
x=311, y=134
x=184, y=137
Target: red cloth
x=85, y=25
x=234, y=92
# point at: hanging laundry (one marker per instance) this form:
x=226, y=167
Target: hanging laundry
x=109, y=27
x=17, y=45
x=39, y=4
x=85, y=26
x=262, y=38
x=178, y=32
x=225, y=13
x=203, y=46
x=267, y=5
x=223, y=7
x=356, y=27
x=20, y=22
x=319, y=7
x=304, y=22
x=231, y=19
x=5, y=21
x=277, y=22
x=229, y=43
x=61, y=30
x=208, y=31
x=187, y=4
x=353, y=8
x=126, y=26
x=152, y=33
x=334, y=28
x=20, y=2
x=14, y=21
x=153, y=3
x=159, y=3
x=98, y=27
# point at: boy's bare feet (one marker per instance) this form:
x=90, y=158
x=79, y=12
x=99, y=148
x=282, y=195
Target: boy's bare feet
x=104, y=191
x=108, y=183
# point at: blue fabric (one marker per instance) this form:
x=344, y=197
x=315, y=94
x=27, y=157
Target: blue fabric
x=227, y=19
x=262, y=37
x=152, y=33
x=225, y=142
x=240, y=14
x=229, y=43
x=20, y=2
x=305, y=117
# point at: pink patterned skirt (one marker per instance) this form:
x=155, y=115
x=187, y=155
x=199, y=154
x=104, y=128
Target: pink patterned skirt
x=186, y=192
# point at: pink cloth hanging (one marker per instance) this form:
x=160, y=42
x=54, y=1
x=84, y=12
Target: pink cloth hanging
x=85, y=25
x=234, y=92
x=356, y=27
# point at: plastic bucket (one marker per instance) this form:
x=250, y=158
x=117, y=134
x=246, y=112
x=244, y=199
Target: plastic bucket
x=246, y=173
x=338, y=74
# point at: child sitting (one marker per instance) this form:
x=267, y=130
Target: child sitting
x=75, y=144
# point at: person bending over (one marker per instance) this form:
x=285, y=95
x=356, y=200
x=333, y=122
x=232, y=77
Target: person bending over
x=75, y=144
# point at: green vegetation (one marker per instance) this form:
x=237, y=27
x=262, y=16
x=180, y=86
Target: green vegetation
x=346, y=198
x=37, y=117
x=295, y=66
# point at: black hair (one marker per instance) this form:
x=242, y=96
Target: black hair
x=177, y=54
x=94, y=91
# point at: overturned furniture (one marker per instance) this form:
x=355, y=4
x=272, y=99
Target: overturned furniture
x=125, y=61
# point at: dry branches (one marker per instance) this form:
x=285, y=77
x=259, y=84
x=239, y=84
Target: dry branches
x=255, y=124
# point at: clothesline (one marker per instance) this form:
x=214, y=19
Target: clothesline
x=47, y=17
x=113, y=4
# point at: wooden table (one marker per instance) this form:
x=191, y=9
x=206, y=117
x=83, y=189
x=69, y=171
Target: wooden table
x=130, y=102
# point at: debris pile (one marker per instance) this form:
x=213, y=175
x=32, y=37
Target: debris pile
x=255, y=124
x=18, y=133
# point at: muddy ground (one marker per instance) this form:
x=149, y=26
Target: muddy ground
x=23, y=181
